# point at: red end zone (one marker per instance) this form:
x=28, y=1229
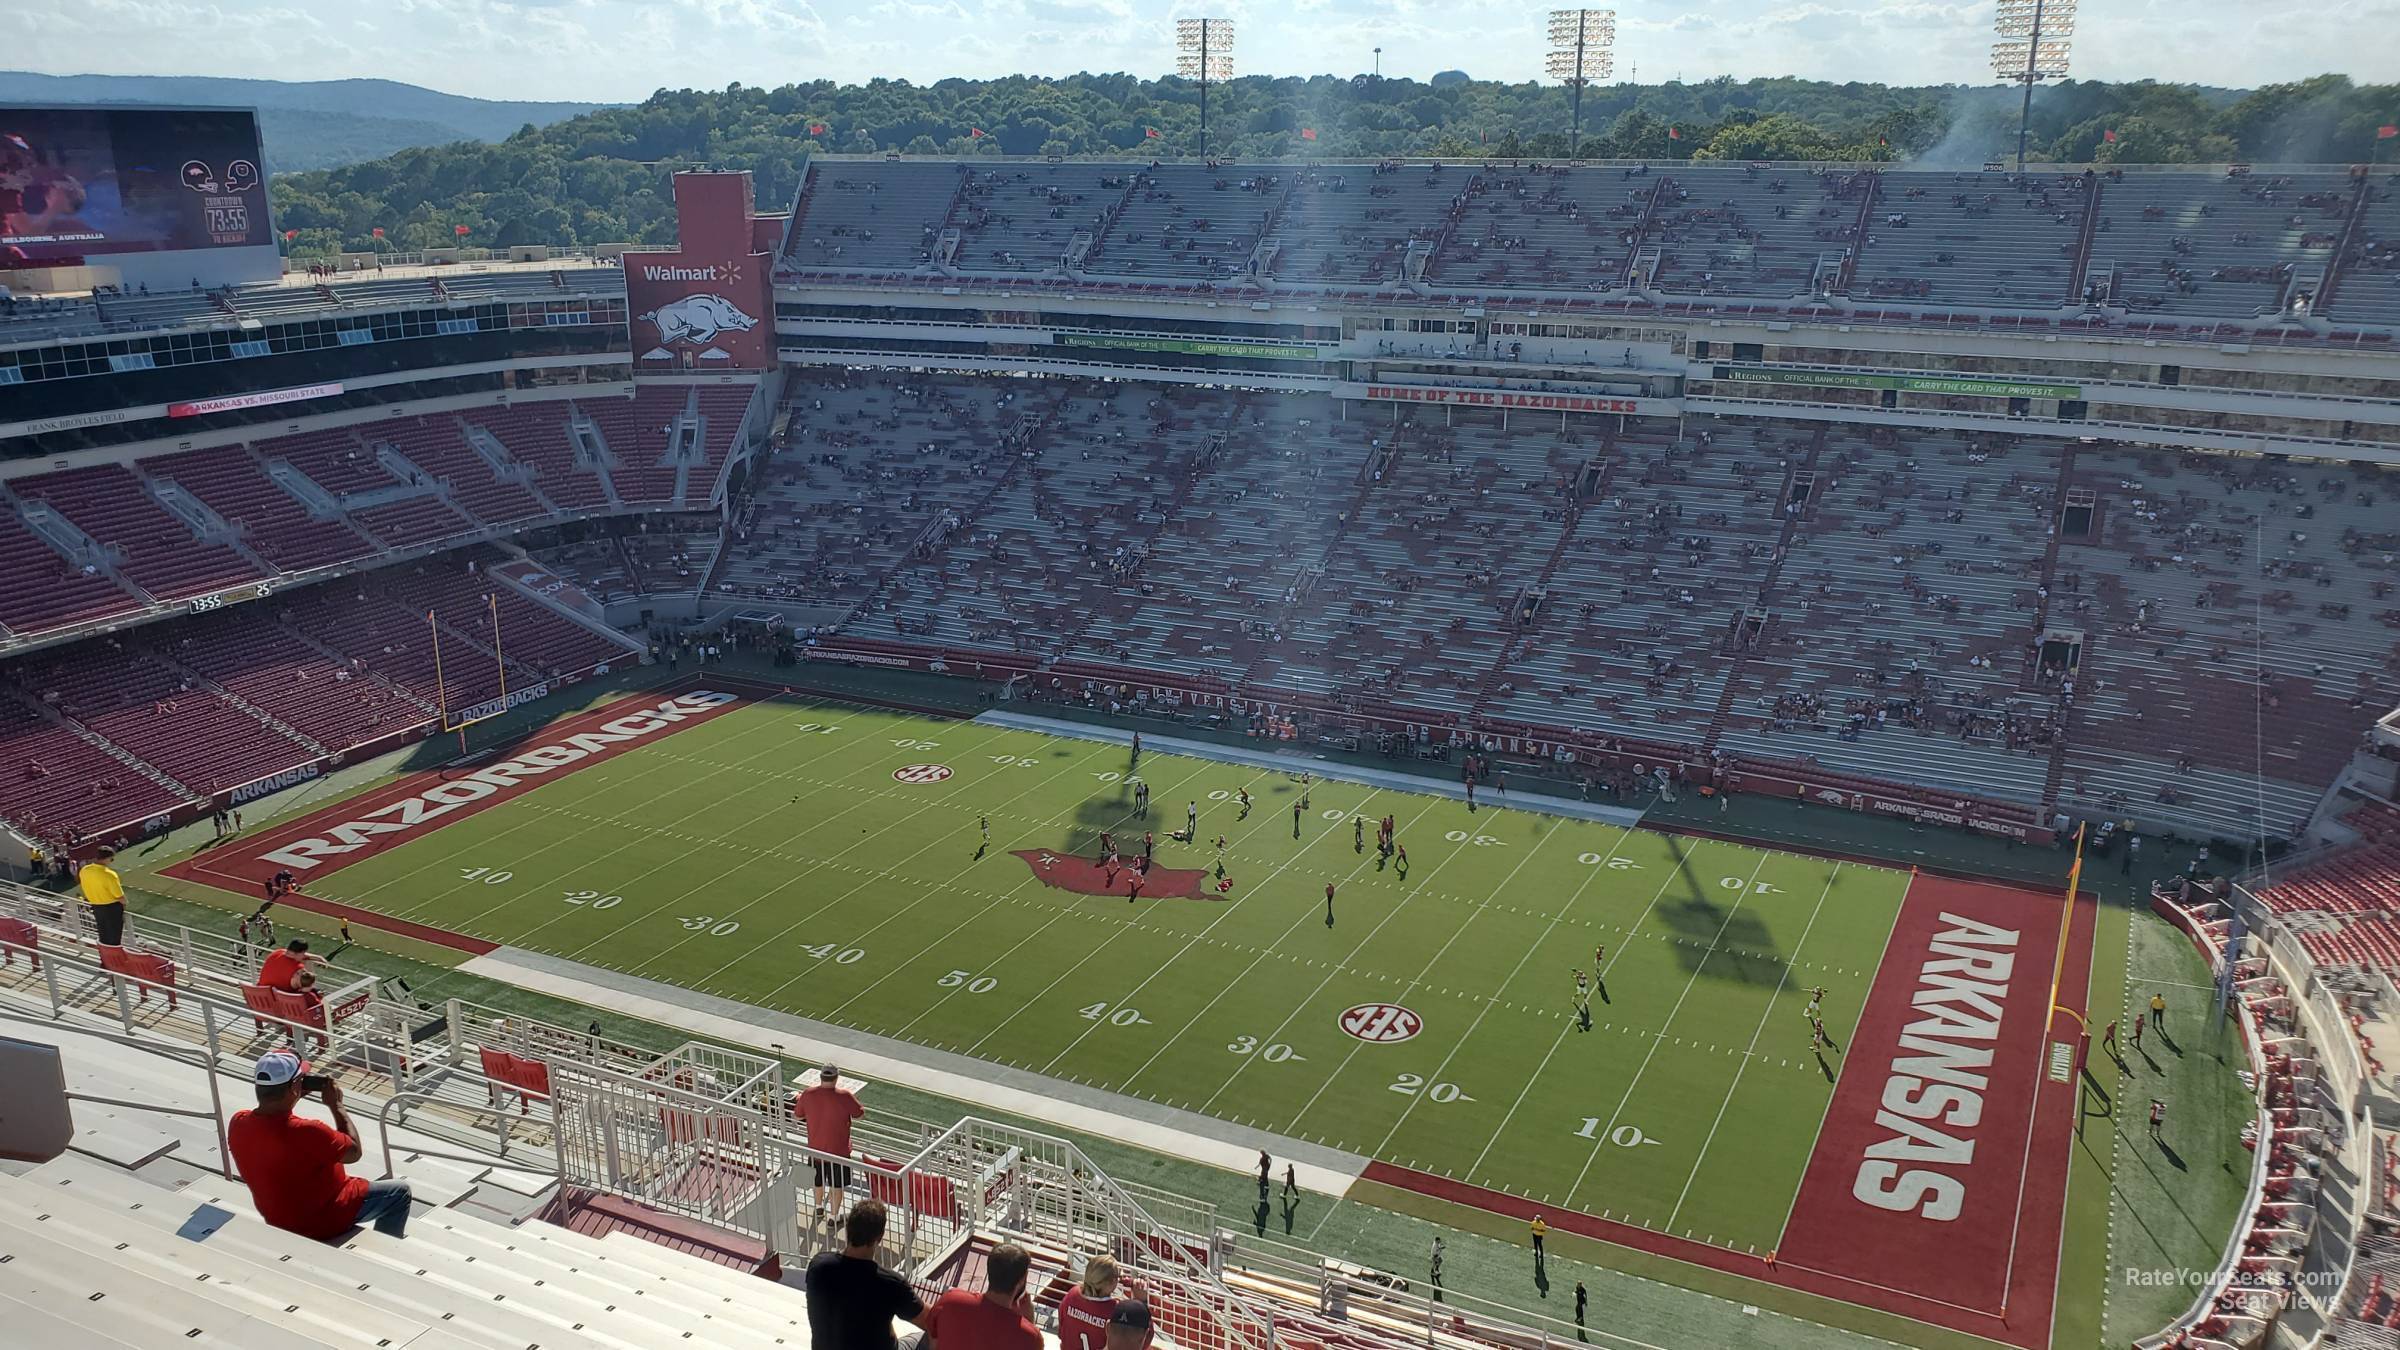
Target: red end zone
x=357, y=828
x=1937, y=1188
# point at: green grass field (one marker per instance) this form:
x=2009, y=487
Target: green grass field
x=770, y=856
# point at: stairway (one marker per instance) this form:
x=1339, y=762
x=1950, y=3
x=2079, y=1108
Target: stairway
x=104, y=745
x=203, y=682
x=1740, y=655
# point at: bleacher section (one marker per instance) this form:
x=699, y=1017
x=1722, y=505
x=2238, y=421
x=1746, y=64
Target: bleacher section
x=1542, y=227
x=1353, y=223
x=299, y=502
x=1190, y=221
x=2222, y=247
x=44, y=588
x=1862, y=602
x=2196, y=243
x=1754, y=232
x=103, y=735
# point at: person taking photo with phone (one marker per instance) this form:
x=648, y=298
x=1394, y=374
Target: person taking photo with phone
x=296, y=1166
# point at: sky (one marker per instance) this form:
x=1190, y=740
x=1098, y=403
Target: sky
x=621, y=50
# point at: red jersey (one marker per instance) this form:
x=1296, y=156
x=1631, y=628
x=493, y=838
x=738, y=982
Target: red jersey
x=294, y=1167
x=828, y=1110
x=279, y=969
x=1083, y=1320
x=964, y=1320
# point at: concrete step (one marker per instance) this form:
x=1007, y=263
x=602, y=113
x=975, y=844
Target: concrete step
x=105, y=1300
x=239, y=1233
x=98, y=1235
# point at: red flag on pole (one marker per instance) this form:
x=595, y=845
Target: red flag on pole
x=459, y=230
x=1674, y=133
x=816, y=128
x=379, y=232
x=290, y=235
x=2385, y=133
x=974, y=133
x=1308, y=133
x=1150, y=133
x=2109, y=137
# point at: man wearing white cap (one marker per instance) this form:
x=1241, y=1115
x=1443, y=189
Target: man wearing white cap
x=295, y=1166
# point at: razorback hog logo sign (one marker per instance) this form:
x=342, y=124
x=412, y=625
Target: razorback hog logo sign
x=689, y=315
x=505, y=778
x=698, y=319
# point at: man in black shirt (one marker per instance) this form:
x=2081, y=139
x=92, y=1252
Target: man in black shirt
x=852, y=1299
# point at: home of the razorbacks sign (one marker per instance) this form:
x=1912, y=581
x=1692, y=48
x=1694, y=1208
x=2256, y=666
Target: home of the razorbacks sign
x=1525, y=400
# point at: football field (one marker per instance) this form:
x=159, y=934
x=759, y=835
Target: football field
x=830, y=860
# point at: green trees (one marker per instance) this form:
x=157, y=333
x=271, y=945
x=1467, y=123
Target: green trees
x=603, y=177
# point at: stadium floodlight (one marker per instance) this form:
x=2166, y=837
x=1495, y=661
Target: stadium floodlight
x=1582, y=43
x=2036, y=39
x=1204, y=52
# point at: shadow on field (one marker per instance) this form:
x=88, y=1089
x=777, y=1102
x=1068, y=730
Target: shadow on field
x=1704, y=917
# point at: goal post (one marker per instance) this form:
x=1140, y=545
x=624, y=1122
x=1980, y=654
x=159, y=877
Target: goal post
x=459, y=719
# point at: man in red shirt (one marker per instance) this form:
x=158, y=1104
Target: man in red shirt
x=282, y=969
x=827, y=1109
x=999, y=1318
x=294, y=1166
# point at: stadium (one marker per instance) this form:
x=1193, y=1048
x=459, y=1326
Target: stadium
x=1395, y=744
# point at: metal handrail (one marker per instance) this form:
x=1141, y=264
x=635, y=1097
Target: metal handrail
x=215, y=1115
x=383, y=1123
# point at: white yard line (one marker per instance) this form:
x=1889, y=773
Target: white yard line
x=1600, y=1140
x=1599, y=980
x=1486, y=1010
x=998, y=898
x=925, y=892
x=439, y=859
x=1752, y=1051
x=1263, y=954
x=1248, y=893
x=1338, y=967
x=1455, y=934
x=637, y=835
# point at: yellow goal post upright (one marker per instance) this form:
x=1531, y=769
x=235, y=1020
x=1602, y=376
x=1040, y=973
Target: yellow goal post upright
x=475, y=712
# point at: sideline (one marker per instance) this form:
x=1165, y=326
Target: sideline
x=1332, y=771
x=863, y=1054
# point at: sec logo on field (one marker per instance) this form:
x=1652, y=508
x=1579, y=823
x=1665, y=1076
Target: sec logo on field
x=1381, y=1022
x=922, y=773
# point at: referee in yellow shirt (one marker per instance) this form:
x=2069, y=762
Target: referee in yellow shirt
x=105, y=893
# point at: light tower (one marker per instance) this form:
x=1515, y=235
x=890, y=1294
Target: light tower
x=2036, y=37
x=1581, y=51
x=1204, y=52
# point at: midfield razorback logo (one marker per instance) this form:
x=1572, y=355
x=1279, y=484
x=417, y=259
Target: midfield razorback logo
x=382, y=825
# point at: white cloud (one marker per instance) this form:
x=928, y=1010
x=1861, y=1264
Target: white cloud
x=621, y=50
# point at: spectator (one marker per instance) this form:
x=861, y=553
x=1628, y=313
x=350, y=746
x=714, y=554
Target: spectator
x=851, y=1298
x=1129, y=1326
x=828, y=1108
x=296, y=1167
x=104, y=891
x=999, y=1318
x=282, y=969
x=1083, y=1312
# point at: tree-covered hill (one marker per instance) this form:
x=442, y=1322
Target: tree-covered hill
x=603, y=177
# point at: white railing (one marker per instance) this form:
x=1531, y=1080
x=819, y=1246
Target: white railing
x=703, y=1133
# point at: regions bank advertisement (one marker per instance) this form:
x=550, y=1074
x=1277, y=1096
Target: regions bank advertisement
x=693, y=313
x=87, y=182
